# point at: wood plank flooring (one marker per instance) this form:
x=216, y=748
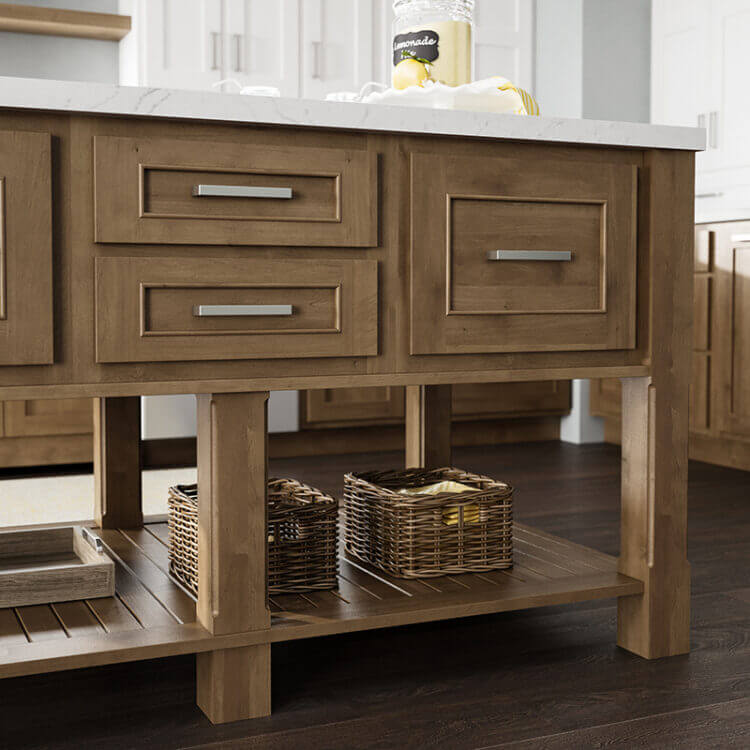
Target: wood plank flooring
x=548, y=677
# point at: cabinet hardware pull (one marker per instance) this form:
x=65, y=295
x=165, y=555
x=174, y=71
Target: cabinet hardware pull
x=221, y=311
x=699, y=196
x=241, y=191
x=93, y=540
x=215, y=50
x=237, y=39
x=316, y=59
x=702, y=120
x=713, y=130
x=556, y=255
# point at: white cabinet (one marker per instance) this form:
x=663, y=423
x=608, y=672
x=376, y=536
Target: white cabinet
x=336, y=42
x=504, y=41
x=262, y=43
x=173, y=43
x=699, y=77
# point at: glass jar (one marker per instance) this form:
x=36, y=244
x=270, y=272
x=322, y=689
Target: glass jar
x=432, y=40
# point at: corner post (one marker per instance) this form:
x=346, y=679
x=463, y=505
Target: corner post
x=428, y=426
x=233, y=684
x=655, y=425
x=117, y=463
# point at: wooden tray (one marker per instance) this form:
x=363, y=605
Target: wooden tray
x=43, y=566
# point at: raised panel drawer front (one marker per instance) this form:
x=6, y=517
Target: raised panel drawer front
x=25, y=249
x=511, y=255
x=152, y=190
x=182, y=309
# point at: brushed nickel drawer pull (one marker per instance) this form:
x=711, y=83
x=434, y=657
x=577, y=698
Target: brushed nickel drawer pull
x=240, y=191
x=557, y=255
x=219, y=311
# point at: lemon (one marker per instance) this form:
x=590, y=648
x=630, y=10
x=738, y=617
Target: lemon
x=409, y=72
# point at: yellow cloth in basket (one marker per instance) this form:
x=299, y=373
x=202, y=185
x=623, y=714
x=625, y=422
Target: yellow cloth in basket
x=450, y=513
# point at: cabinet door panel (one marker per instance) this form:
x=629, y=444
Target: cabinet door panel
x=699, y=393
x=67, y=416
x=336, y=46
x=332, y=407
x=496, y=400
x=262, y=43
x=605, y=397
x=25, y=249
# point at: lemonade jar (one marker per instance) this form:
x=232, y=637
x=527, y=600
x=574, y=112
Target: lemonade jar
x=432, y=40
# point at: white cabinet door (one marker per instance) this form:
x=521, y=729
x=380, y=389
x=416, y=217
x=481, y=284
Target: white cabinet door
x=174, y=44
x=504, y=41
x=337, y=46
x=729, y=110
x=261, y=42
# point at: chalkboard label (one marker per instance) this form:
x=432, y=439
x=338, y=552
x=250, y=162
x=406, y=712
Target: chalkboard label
x=424, y=44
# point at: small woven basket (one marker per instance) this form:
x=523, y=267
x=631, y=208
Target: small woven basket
x=422, y=536
x=302, y=537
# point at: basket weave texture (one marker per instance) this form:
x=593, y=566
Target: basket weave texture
x=422, y=536
x=302, y=537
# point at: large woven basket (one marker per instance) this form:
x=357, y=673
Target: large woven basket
x=422, y=536
x=302, y=537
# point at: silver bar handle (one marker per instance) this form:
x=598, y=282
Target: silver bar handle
x=215, y=39
x=554, y=255
x=316, y=59
x=241, y=191
x=237, y=41
x=709, y=195
x=93, y=540
x=223, y=311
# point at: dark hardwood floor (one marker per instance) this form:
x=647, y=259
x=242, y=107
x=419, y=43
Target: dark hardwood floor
x=547, y=678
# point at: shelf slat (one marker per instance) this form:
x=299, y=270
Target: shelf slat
x=29, y=19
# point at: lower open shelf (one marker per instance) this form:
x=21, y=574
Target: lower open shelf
x=151, y=616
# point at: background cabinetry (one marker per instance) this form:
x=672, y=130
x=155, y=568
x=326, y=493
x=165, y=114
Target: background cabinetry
x=720, y=387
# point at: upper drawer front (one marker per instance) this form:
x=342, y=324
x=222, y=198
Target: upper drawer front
x=182, y=309
x=522, y=256
x=194, y=192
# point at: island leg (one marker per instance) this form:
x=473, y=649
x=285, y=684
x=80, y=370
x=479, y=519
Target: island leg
x=233, y=684
x=428, y=426
x=653, y=544
x=117, y=463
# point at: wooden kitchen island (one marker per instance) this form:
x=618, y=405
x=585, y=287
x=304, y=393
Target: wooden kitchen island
x=160, y=242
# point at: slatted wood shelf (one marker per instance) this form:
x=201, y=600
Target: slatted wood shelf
x=151, y=616
x=30, y=19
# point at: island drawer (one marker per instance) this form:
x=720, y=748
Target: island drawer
x=191, y=192
x=182, y=309
x=537, y=255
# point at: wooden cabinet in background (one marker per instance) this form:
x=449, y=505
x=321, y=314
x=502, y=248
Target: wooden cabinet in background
x=44, y=432
x=720, y=371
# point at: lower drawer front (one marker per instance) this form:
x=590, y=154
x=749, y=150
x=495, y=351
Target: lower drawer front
x=182, y=309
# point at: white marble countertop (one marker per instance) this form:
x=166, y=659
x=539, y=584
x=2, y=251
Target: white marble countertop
x=69, y=96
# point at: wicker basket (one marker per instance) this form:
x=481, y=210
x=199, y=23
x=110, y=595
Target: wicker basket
x=302, y=537
x=422, y=536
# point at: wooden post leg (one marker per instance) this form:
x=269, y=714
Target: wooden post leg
x=117, y=463
x=653, y=545
x=233, y=684
x=428, y=426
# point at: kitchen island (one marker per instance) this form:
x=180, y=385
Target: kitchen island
x=163, y=242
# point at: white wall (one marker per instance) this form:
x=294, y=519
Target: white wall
x=61, y=58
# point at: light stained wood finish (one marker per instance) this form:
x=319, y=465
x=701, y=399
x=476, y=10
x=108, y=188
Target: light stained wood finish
x=548, y=570
x=233, y=552
x=46, y=450
x=51, y=565
x=428, y=426
x=25, y=249
x=653, y=545
x=145, y=309
x=144, y=194
x=28, y=19
x=461, y=302
x=719, y=433
x=346, y=407
x=117, y=463
x=47, y=417
x=499, y=400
